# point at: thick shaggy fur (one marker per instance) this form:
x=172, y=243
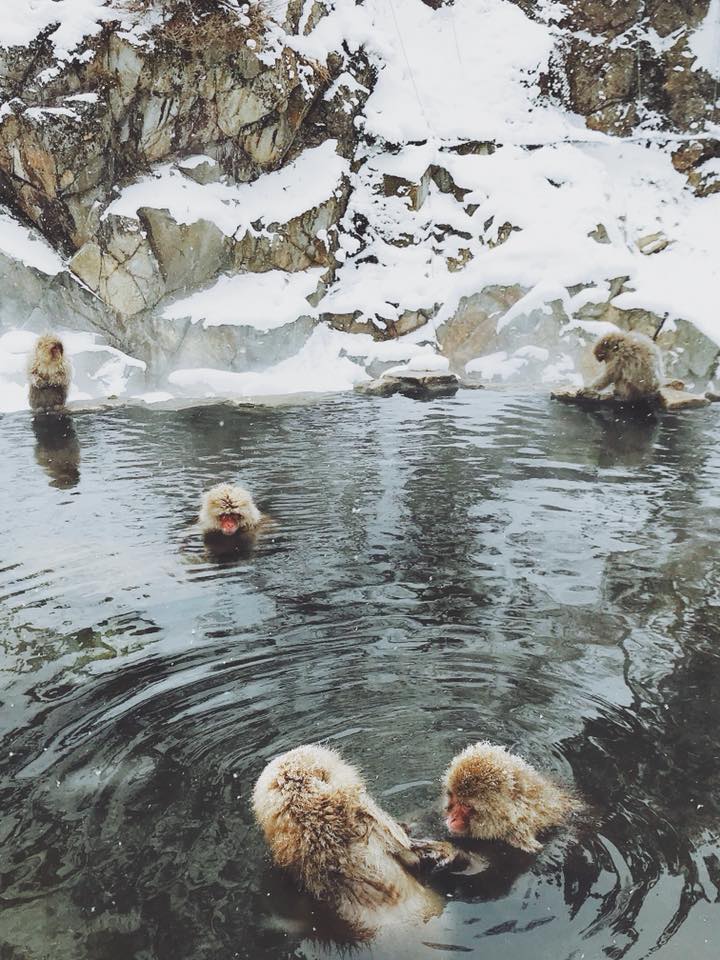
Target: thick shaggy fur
x=324, y=829
x=507, y=798
x=228, y=501
x=49, y=374
x=633, y=363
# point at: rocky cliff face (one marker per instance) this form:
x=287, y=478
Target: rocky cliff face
x=211, y=181
x=200, y=102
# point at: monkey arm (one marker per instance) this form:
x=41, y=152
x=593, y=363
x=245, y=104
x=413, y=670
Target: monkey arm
x=605, y=380
x=439, y=856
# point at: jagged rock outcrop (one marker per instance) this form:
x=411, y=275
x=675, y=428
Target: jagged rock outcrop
x=125, y=105
x=131, y=106
x=629, y=64
x=516, y=344
x=164, y=155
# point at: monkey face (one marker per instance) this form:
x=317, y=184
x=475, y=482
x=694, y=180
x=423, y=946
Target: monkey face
x=458, y=816
x=229, y=523
x=228, y=510
x=603, y=349
x=606, y=346
x=49, y=351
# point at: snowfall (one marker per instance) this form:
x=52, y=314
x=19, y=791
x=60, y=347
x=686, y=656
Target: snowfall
x=468, y=71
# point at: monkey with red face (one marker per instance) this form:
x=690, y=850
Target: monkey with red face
x=324, y=829
x=230, y=521
x=492, y=794
x=49, y=374
x=227, y=509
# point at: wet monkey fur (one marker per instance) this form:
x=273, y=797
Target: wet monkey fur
x=323, y=828
x=491, y=794
x=228, y=510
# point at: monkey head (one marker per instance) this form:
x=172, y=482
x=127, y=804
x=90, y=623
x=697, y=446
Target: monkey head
x=48, y=359
x=608, y=345
x=479, y=782
x=228, y=510
x=312, y=808
x=291, y=781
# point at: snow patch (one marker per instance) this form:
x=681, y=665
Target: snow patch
x=273, y=198
x=264, y=301
x=319, y=367
x=19, y=242
x=420, y=363
x=21, y=22
x=704, y=42
x=496, y=366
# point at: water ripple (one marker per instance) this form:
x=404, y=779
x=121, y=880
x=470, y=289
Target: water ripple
x=487, y=566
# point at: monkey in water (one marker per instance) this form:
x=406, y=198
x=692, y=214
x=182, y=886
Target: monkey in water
x=227, y=510
x=633, y=365
x=341, y=848
x=49, y=373
x=492, y=794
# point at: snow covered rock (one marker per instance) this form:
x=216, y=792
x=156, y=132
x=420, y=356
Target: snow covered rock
x=166, y=232
x=497, y=182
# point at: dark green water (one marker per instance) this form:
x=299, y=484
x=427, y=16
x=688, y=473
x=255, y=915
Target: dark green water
x=488, y=566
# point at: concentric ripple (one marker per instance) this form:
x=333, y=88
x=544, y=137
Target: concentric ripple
x=487, y=566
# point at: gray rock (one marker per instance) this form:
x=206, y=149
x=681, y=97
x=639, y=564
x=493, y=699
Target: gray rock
x=667, y=398
x=416, y=386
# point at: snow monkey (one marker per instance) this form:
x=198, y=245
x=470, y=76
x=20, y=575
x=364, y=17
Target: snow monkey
x=494, y=795
x=228, y=510
x=49, y=374
x=340, y=847
x=633, y=363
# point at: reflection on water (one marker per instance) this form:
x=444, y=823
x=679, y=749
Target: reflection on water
x=57, y=449
x=483, y=566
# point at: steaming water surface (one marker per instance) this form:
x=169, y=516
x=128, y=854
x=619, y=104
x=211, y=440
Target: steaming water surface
x=488, y=566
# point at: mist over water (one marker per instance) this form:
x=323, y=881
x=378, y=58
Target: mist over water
x=491, y=566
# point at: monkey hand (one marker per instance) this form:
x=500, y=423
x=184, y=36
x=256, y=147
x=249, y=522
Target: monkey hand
x=439, y=856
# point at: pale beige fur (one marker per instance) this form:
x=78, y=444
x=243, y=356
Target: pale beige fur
x=227, y=498
x=509, y=799
x=49, y=376
x=325, y=830
x=633, y=365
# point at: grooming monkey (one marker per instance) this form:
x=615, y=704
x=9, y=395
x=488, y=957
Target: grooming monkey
x=341, y=848
x=492, y=794
x=49, y=374
x=633, y=365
